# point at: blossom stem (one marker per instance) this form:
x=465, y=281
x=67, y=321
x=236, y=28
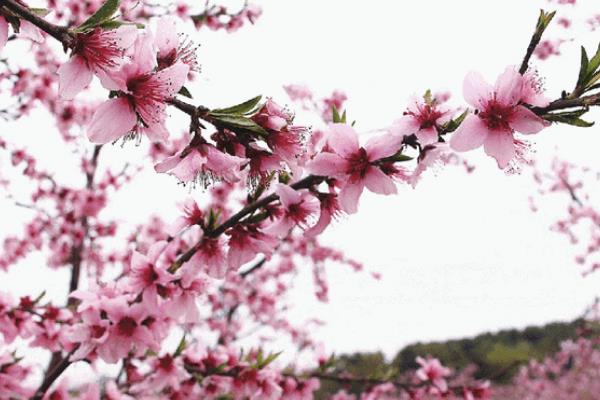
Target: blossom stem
x=562, y=104
x=53, y=375
x=60, y=33
x=237, y=217
x=543, y=22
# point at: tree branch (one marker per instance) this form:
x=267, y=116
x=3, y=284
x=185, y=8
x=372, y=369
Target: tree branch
x=59, y=33
x=53, y=376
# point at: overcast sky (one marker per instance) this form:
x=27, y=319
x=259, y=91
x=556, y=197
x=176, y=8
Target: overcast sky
x=461, y=254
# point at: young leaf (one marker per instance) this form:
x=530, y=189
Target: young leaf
x=428, y=97
x=336, y=115
x=185, y=92
x=247, y=107
x=570, y=118
x=40, y=12
x=453, y=124
x=104, y=14
x=585, y=61
x=594, y=63
x=237, y=123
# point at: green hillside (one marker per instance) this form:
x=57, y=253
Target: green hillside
x=497, y=356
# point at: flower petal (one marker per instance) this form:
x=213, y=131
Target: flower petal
x=476, y=90
x=526, y=121
x=509, y=87
x=405, y=126
x=327, y=164
x=500, y=145
x=350, y=195
x=174, y=76
x=3, y=32
x=427, y=136
x=378, y=182
x=342, y=139
x=113, y=119
x=73, y=77
x=383, y=146
x=166, y=35
x=30, y=31
x=470, y=135
x=287, y=195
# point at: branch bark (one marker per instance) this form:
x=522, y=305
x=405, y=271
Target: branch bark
x=59, y=33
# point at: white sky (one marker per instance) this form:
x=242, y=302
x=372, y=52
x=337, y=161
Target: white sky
x=461, y=254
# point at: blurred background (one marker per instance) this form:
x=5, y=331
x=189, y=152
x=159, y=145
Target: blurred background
x=460, y=255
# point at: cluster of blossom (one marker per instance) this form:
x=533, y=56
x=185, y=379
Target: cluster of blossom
x=303, y=96
x=572, y=373
x=207, y=254
x=213, y=16
x=430, y=381
x=582, y=219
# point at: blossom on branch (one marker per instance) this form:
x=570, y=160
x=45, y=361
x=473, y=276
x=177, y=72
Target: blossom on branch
x=355, y=166
x=499, y=113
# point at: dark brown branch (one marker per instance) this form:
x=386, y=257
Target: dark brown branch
x=543, y=21
x=52, y=375
x=234, y=219
x=59, y=33
x=563, y=104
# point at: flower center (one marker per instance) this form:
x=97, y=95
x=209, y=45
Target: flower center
x=497, y=116
x=358, y=164
x=127, y=326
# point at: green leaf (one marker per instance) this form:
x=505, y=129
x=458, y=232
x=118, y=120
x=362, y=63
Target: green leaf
x=398, y=157
x=336, y=115
x=428, y=97
x=238, y=124
x=594, y=63
x=245, y=108
x=570, y=118
x=263, y=362
x=336, y=118
x=185, y=92
x=585, y=61
x=116, y=23
x=180, y=347
x=544, y=20
x=104, y=14
x=40, y=12
x=453, y=124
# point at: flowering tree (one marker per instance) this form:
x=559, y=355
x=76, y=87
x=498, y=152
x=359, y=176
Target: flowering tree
x=169, y=302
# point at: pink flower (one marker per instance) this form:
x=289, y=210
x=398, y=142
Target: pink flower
x=192, y=215
x=330, y=209
x=147, y=275
x=273, y=117
x=355, y=166
x=90, y=333
x=500, y=113
x=433, y=371
x=30, y=31
x=96, y=52
x=26, y=29
x=140, y=106
x=170, y=48
x=284, y=139
x=423, y=118
x=246, y=242
x=3, y=32
x=298, y=92
x=299, y=207
x=210, y=258
x=203, y=164
x=127, y=331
